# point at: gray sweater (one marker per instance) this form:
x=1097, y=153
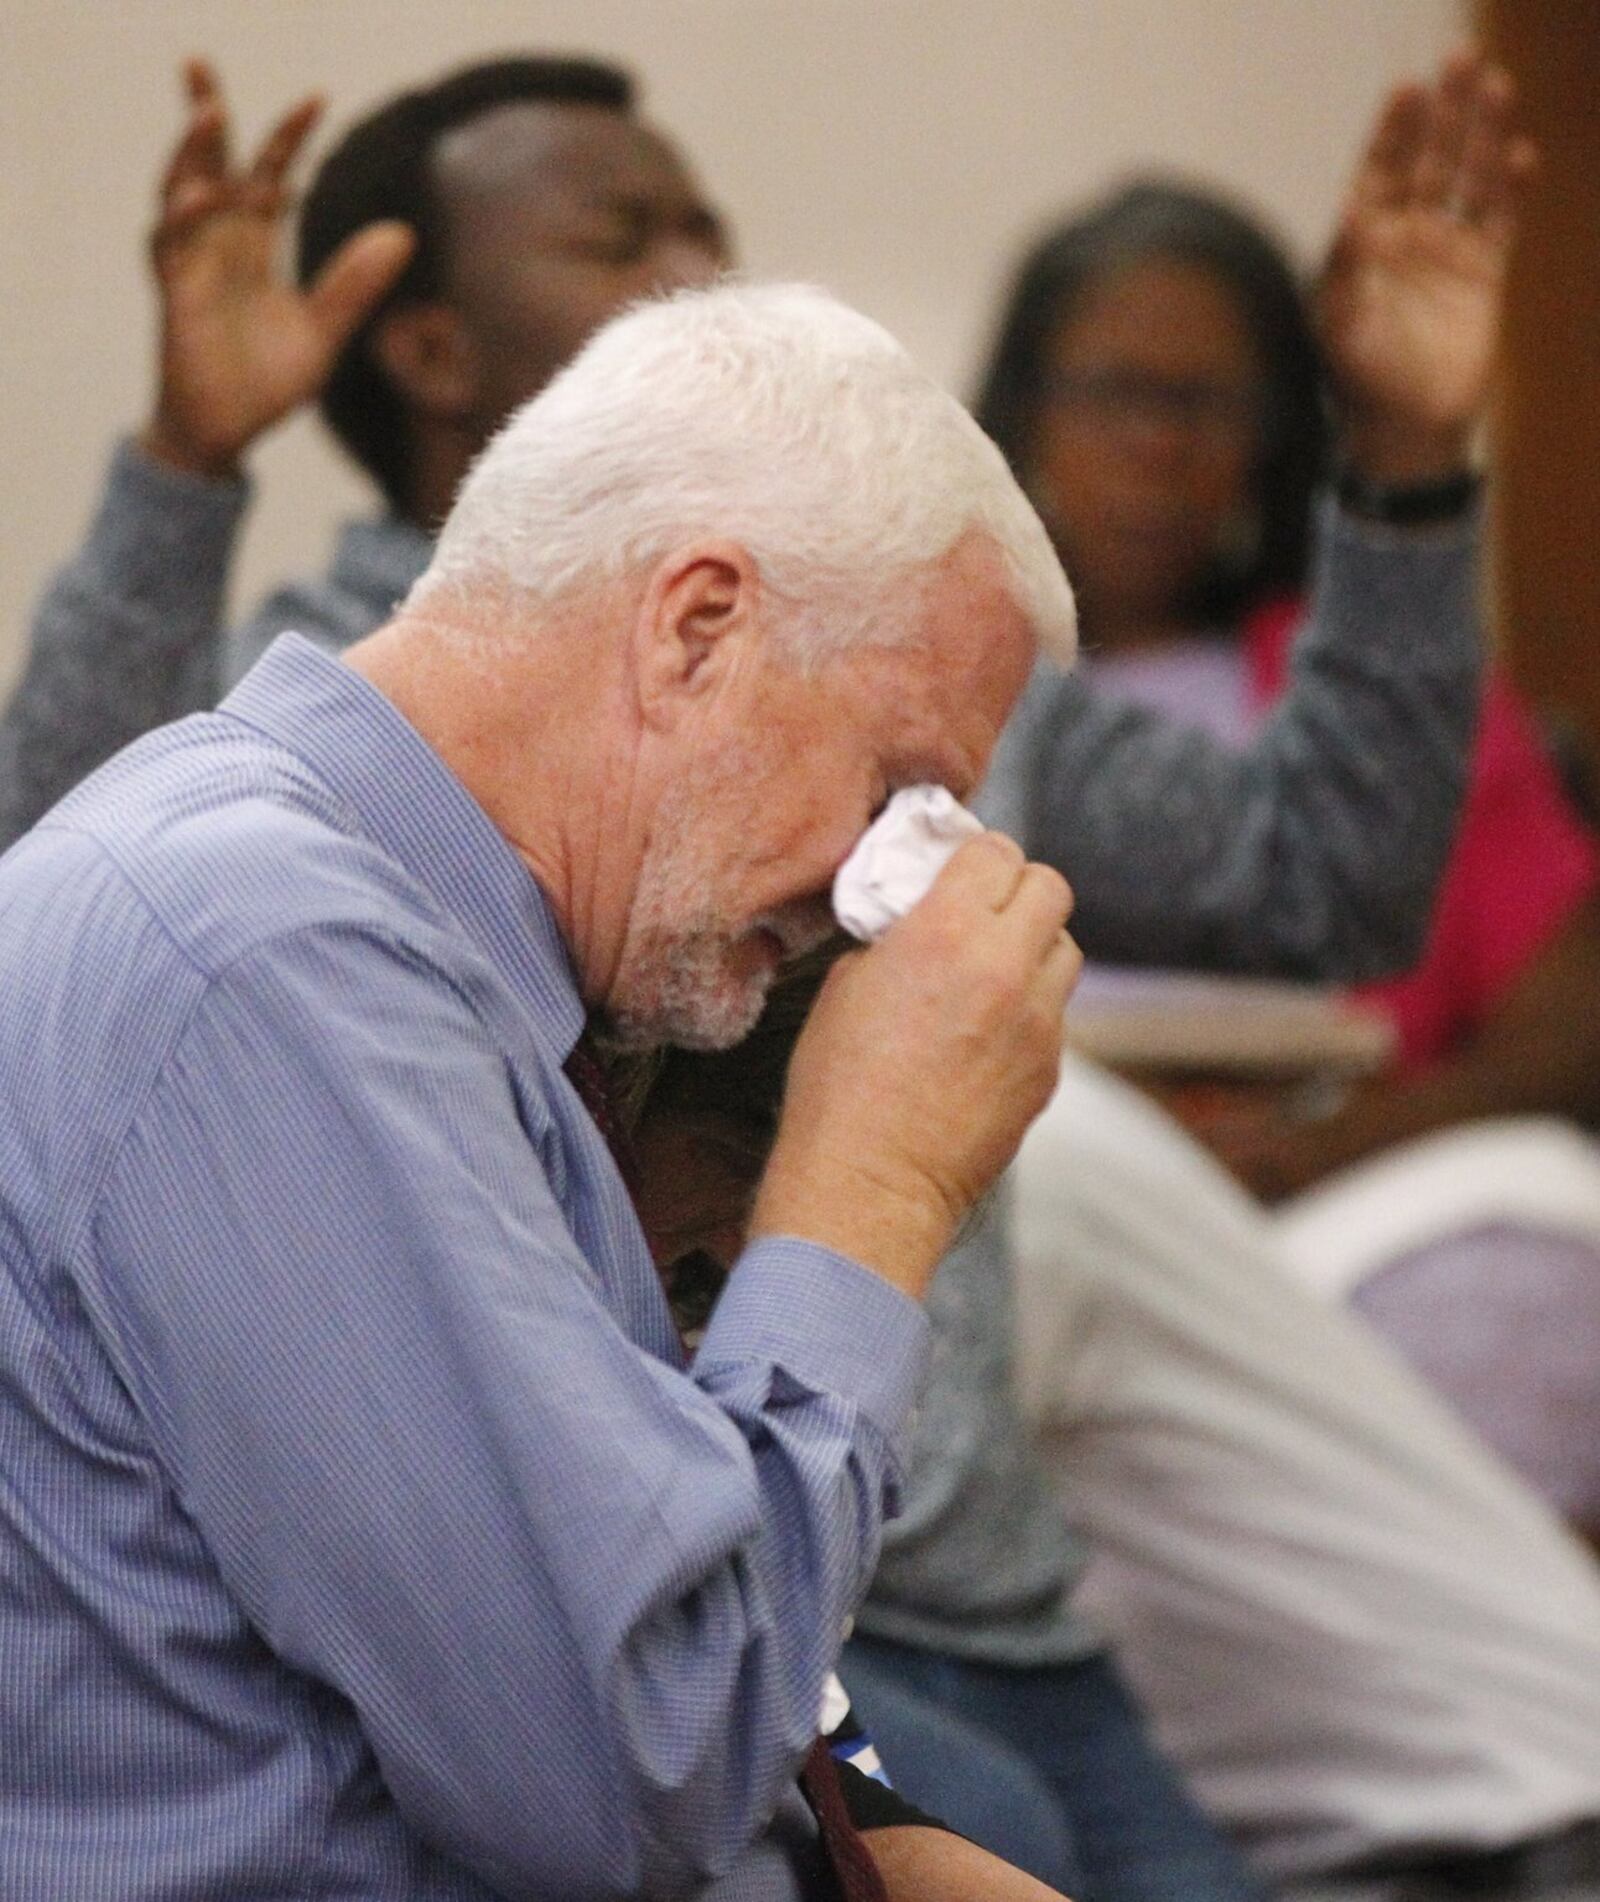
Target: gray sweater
x=1313, y=853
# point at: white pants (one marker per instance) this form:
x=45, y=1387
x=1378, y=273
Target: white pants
x=1353, y=1627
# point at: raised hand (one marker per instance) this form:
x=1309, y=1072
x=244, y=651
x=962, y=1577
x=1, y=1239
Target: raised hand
x=1410, y=299
x=241, y=345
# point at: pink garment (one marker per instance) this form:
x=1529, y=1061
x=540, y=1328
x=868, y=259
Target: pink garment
x=1523, y=862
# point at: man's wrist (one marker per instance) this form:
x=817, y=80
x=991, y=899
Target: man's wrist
x=896, y=1233
x=173, y=450
x=834, y=1325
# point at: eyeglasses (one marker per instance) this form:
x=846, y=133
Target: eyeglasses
x=1131, y=399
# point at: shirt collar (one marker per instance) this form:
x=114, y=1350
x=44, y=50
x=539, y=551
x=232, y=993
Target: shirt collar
x=407, y=799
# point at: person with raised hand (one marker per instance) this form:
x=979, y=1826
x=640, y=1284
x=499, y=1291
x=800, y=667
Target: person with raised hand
x=455, y=248
x=1146, y=409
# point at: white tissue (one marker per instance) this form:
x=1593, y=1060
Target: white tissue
x=898, y=857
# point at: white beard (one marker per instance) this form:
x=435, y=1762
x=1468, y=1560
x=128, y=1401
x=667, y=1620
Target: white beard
x=682, y=991
x=680, y=984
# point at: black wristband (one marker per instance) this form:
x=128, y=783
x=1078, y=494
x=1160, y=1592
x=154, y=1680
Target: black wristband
x=1409, y=504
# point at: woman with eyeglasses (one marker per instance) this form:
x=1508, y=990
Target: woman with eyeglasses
x=1157, y=384
x=1160, y=388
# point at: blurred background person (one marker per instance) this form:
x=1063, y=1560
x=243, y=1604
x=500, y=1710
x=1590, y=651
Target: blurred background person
x=1160, y=388
x=455, y=248
x=1177, y=851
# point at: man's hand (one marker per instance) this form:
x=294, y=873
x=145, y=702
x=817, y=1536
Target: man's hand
x=923, y=1062
x=1410, y=298
x=241, y=346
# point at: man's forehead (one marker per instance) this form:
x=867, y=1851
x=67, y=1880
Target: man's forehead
x=549, y=146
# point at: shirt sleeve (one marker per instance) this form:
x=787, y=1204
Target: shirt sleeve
x=1316, y=851
x=582, y=1602
x=125, y=636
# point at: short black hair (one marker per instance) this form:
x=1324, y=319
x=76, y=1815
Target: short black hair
x=381, y=169
x=1159, y=218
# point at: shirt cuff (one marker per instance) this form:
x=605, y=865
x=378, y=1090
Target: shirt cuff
x=165, y=538
x=827, y=1322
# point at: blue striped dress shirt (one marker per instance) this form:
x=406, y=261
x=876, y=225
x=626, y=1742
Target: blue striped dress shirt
x=362, y=1533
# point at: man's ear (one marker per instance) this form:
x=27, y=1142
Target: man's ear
x=699, y=617
x=426, y=353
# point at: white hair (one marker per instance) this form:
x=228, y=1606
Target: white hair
x=768, y=414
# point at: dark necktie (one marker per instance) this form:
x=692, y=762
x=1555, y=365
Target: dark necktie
x=587, y=1075
x=854, y=1870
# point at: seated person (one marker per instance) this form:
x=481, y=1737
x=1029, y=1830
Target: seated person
x=365, y=1526
x=1174, y=439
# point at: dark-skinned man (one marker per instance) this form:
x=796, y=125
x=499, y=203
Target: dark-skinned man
x=456, y=249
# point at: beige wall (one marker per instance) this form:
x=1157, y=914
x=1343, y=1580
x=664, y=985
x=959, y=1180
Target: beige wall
x=896, y=150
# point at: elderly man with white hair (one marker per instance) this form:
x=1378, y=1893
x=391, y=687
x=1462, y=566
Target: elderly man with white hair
x=367, y=1531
